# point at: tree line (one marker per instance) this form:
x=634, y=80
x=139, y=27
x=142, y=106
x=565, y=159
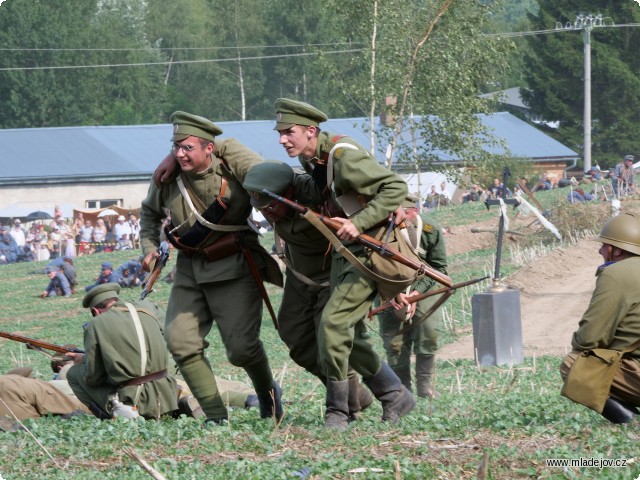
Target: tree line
x=125, y=62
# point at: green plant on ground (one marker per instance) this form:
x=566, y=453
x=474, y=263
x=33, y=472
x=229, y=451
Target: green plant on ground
x=512, y=416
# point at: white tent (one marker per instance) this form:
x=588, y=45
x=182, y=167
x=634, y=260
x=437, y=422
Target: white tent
x=420, y=184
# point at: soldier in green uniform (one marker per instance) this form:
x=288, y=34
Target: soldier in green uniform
x=428, y=242
x=612, y=320
x=305, y=253
x=360, y=194
x=220, y=262
x=123, y=371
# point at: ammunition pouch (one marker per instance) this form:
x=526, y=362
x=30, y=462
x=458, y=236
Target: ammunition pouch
x=226, y=245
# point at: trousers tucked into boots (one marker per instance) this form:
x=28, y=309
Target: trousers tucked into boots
x=337, y=413
x=202, y=383
x=268, y=391
x=359, y=398
x=425, y=366
x=404, y=374
x=396, y=399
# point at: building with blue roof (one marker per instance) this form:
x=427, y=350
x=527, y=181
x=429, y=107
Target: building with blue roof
x=92, y=167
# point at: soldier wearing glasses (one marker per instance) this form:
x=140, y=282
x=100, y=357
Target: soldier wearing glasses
x=215, y=278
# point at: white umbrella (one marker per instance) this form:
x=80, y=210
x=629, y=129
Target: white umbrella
x=107, y=213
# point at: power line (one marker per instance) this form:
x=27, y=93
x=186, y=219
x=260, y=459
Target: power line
x=215, y=60
x=144, y=49
x=555, y=30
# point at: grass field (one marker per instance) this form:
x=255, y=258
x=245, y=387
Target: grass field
x=494, y=422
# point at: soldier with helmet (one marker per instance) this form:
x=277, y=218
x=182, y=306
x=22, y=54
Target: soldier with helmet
x=305, y=253
x=220, y=265
x=612, y=320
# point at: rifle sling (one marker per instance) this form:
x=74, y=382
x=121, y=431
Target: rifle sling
x=255, y=273
x=283, y=258
x=142, y=343
x=191, y=198
x=346, y=253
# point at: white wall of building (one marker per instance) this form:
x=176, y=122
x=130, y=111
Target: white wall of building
x=41, y=197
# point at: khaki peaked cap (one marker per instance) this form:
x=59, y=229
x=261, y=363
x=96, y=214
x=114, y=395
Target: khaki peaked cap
x=293, y=112
x=100, y=293
x=189, y=125
x=272, y=175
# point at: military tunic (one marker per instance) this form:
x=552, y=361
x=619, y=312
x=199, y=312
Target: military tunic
x=342, y=334
x=112, y=358
x=223, y=290
x=612, y=321
x=423, y=338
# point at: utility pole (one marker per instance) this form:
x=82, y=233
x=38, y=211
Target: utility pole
x=586, y=23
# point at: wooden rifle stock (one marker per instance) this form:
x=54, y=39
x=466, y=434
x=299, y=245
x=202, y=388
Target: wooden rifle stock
x=150, y=279
x=370, y=242
x=385, y=307
x=33, y=343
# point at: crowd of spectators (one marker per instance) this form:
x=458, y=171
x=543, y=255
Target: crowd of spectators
x=45, y=240
x=621, y=178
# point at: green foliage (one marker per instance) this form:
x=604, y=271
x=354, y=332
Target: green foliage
x=515, y=414
x=438, y=79
x=56, y=34
x=230, y=61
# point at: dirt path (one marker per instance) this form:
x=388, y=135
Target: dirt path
x=554, y=293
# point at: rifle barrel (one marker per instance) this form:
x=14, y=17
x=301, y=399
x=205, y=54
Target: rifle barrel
x=150, y=279
x=39, y=343
x=385, y=307
x=370, y=242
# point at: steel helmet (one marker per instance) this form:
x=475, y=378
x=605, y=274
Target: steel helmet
x=623, y=232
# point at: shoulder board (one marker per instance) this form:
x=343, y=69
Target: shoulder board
x=337, y=153
x=427, y=227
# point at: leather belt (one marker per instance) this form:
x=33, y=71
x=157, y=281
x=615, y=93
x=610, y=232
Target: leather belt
x=152, y=377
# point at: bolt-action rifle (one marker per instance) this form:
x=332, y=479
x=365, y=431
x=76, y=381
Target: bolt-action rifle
x=385, y=307
x=39, y=344
x=150, y=279
x=370, y=242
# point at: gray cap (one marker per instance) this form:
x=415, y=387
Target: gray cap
x=629, y=158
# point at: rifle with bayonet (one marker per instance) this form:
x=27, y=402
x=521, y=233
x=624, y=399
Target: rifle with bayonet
x=150, y=279
x=39, y=344
x=385, y=307
x=376, y=245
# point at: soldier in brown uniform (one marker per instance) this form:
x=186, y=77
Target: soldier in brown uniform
x=220, y=262
x=612, y=320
